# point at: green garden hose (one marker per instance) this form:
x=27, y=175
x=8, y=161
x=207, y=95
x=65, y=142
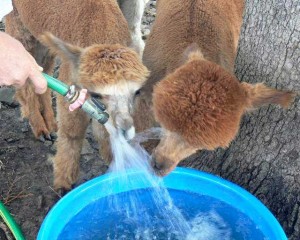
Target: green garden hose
x=56, y=85
x=11, y=223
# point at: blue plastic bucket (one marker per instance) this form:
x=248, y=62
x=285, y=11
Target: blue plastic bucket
x=185, y=183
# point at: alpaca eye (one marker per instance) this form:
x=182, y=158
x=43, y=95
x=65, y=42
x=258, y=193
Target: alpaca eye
x=138, y=92
x=96, y=95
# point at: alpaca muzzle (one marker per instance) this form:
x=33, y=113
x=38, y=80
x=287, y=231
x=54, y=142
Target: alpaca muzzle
x=124, y=124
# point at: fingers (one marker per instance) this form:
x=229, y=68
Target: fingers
x=17, y=65
x=38, y=80
x=36, y=76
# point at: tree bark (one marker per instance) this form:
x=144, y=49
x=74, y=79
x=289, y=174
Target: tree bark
x=265, y=156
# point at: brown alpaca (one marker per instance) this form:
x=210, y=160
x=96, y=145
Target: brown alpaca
x=199, y=103
x=179, y=24
x=92, y=39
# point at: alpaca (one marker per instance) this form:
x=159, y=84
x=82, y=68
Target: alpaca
x=89, y=20
x=177, y=25
x=196, y=99
x=91, y=38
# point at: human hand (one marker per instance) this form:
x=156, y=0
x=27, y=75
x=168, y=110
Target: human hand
x=17, y=65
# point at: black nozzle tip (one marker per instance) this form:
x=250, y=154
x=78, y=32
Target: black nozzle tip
x=103, y=118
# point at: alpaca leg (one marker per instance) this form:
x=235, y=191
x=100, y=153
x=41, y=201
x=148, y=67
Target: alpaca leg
x=143, y=114
x=144, y=119
x=70, y=136
x=37, y=108
x=105, y=150
x=102, y=136
x=46, y=60
x=133, y=12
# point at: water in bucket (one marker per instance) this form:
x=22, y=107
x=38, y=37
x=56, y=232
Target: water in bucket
x=155, y=213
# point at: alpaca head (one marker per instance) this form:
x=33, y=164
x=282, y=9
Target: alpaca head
x=200, y=106
x=113, y=73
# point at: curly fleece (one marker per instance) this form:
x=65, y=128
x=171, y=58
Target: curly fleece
x=104, y=64
x=202, y=102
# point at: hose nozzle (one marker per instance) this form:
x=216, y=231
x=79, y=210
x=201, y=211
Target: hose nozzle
x=91, y=106
x=96, y=110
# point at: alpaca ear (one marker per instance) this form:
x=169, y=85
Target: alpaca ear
x=259, y=95
x=65, y=50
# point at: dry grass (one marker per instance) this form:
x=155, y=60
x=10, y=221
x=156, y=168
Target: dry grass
x=13, y=193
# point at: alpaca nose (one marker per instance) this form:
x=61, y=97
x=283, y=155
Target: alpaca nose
x=158, y=167
x=161, y=163
x=129, y=133
x=125, y=125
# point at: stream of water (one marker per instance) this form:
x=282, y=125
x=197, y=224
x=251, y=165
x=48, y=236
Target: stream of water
x=132, y=156
x=153, y=213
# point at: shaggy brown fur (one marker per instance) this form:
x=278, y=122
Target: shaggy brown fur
x=91, y=22
x=200, y=103
x=204, y=103
x=213, y=25
x=84, y=29
x=99, y=64
x=106, y=65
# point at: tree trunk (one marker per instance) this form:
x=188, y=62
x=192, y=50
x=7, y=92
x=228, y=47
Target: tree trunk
x=265, y=157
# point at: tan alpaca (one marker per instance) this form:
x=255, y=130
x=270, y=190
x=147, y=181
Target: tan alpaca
x=78, y=22
x=199, y=103
x=92, y=36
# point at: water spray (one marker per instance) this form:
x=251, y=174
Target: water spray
x=90, y=105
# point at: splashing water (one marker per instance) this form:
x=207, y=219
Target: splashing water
x=153, y=213
x=209, y=226
x=126, y=156
x=132, y=156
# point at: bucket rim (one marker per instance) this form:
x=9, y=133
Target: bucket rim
x=183, y=179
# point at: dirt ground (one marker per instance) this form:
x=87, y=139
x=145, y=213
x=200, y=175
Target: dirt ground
x=25, y=169
x=26, y=173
